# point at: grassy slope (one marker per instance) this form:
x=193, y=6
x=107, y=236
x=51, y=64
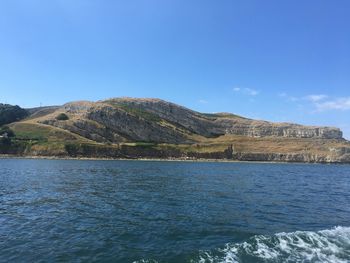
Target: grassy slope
x=45, y=139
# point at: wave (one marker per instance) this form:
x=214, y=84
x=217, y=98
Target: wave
x=331, y=245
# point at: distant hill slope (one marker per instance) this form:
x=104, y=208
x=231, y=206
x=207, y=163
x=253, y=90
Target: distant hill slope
x=158, y=128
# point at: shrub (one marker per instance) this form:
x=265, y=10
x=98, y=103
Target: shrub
x=6, y=130
x=62, y=117
x=5, y=136
x=9, y=113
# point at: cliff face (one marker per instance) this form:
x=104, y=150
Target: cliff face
x=153, y=120
x=135, y=128
x=121, y=121
x=182, y=118
x=106, y=122
x=254, y=128
x=214, y=125
x=169, y=152
x=211, y=125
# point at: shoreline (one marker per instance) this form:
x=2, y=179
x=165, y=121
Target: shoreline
x=201, y=160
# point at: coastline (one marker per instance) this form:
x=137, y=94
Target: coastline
x=191, y=160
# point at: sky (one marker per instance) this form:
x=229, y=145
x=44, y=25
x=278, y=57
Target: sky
x=273, y=60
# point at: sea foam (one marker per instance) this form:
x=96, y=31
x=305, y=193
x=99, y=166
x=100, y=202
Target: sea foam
x=331, y=245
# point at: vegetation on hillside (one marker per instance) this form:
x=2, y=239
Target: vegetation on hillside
x=8, y=143
x=138, y=112
x=5, y=131
x=62, y=117
x=10, y=113
x=5, y=135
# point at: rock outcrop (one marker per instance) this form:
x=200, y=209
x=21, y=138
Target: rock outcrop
x=253, y=128
x=154, y=120
x=189, y=120
x=133, y=127
x=153, y=128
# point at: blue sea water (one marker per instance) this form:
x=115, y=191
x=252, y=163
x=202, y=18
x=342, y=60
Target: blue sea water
x=150, y=211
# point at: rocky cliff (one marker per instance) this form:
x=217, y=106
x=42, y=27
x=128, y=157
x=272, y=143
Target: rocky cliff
x=128, y=119
x=253, y=128
x=174, y=131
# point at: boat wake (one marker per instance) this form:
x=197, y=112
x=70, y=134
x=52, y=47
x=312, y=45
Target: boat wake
x=332, y=245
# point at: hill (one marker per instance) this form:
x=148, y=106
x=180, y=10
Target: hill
x=153, y=128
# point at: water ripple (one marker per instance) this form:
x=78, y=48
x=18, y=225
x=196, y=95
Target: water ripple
x=126, y=211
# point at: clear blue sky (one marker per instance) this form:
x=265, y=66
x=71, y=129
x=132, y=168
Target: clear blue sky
x=276, y=60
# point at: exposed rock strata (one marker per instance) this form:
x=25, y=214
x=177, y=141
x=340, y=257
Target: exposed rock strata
x=125, y=119
x=192, y=121
x=132, y=152
x=252, y=128
x=109, y=128
x=209, y=126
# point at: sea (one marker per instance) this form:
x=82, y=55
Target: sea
x=173, y=211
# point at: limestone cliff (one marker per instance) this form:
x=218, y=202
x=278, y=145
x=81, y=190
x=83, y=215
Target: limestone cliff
x=154, y=120
x=253, y=128
x=174, y=131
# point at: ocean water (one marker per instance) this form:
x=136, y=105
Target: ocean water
x=149, y=211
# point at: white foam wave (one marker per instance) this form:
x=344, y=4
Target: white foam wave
x=332, y=245
x=146, y=261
